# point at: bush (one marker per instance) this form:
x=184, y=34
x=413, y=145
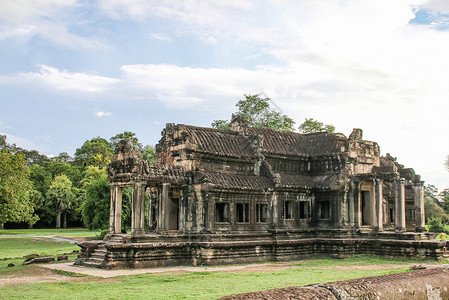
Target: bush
x=436, y=225
x=101, y=235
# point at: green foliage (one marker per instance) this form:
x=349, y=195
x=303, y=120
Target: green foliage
x=96, y=191
x=15, y=188
x=258, y=113
x=61, y=197
x=220, y=124
x=125, y=135
x=95, y=208
x=436, y=225
x=94, y=152
x=146, y=151
x=311, y=126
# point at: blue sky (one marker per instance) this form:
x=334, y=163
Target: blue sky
x=71, y=70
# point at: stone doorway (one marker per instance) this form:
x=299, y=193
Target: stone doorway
x=366, y=209
x=173, y=214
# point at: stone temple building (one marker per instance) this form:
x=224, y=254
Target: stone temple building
x=256, y=194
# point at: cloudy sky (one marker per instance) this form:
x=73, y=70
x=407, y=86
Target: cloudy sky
x=71, y=70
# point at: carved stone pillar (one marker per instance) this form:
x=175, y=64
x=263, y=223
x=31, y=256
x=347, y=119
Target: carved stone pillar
x=351, y=205
x=380, y=201
x=373, y=206
x=118, y=209
x=420, y=216
x=163, y=211
x=274, y=210
x=399, y=202
x=358, y=205
x=138, y=209
x=112, y=211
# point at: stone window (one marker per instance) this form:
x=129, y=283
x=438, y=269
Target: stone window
x=221, y=212
x=288, y=210
x=303, y=210
x=261, y=212
x=391, y=215
x=324, y=210
x=242, y=212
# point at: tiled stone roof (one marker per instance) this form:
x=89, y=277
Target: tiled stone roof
x=234, y=181
x=219, y=142
x=328, y=181
x=292, y=143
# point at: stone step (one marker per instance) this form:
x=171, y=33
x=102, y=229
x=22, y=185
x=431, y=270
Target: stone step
x=95, y=260
x=92, y=264
x=97, y=256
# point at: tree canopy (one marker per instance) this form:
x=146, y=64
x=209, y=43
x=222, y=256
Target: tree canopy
x=94, y=152
x=258, y=112
x=311, y=126
x=15, y=188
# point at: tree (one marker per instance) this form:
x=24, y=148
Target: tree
x=61, y=197
x=15, y=187
x=310, y=126
x=96, y=200
x=125, y=135
x=258, y=113
x=432, y=206
x=94, y=152
x=146, y=151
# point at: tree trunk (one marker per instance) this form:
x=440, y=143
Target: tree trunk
x=30, y=226
x=58, y=219
x=2, y=226
x=65, y=220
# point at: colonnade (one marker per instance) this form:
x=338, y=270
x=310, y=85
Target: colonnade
x=375, y=219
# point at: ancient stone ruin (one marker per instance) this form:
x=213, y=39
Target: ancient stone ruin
x=256, y=194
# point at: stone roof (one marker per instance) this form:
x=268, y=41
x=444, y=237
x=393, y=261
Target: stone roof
x=329, y=181
x=291, y=143
x=219, y=142
x=234, y=181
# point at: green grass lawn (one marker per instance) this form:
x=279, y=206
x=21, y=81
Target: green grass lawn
x=199, y=285
x=84, y=232
x=20, y=246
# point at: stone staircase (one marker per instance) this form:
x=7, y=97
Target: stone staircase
x=97, y=257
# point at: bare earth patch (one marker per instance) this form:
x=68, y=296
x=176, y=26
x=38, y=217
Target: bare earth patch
x=33, y=275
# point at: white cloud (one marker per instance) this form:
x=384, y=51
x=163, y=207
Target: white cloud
x=24, y=143
x=161, y=37
x=48, y=19
x=63, y=80
x=101, y=114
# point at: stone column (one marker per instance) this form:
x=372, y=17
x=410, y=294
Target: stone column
x=138, y=209
x=112, y=210
x=399, y=204
x=274, y=210
x=118, y=209
x=420, y=216
x=163, y=211
x=373, y=206
x=358, y=205
x=351, y=204
x=380, y=201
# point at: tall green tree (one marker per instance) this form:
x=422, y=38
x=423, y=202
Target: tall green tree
x=146, y=151
x=94, y=152
x=96, y=200
x=259, y=113
x=311, y=126
x=61, y=197
x=15, y=187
